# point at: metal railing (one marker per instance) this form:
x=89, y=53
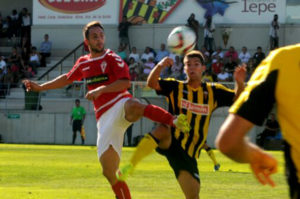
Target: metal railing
x=60, y=62
x=18, y=99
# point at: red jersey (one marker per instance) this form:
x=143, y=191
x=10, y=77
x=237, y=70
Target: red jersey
x=100, y=71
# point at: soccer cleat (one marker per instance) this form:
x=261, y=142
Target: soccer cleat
x=182, y=124
x=217, y=167
x=124, y=172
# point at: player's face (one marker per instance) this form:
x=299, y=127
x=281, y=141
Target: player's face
x=96, y=39
x=194, y=68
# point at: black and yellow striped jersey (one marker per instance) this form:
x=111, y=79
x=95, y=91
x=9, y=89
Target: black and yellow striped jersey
x=276, y=81
x=198, y=105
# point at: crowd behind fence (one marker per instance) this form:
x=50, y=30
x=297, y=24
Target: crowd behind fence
x=34, y=101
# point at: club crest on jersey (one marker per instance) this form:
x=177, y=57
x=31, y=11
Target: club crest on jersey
x=199, y=109
x=103, y=66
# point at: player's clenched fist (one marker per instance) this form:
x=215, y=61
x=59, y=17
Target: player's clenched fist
x=167, y=61
x=94, y=94
x=31, y=86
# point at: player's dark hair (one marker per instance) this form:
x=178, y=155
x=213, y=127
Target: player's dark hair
x=87, y=27
x=194, y=53
x=77, y=100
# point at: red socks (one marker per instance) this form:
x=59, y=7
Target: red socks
x=121, y=190
x=158, y=114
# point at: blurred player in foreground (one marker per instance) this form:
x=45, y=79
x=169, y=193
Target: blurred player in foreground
x=276, y=80
x=107, y=78
x=197, y=100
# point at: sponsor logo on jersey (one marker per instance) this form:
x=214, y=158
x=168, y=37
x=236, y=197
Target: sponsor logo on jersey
x=97, y=79
x=72, y=6
x=199, y=109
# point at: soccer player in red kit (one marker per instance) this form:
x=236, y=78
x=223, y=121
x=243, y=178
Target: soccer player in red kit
x=107, y=77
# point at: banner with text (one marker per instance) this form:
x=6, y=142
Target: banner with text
x=230, y=11
x=67, y=12
x=157, y=11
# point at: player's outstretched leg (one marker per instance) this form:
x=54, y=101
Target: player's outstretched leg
x=134, y=110
x=145, y=147
x=160, y=135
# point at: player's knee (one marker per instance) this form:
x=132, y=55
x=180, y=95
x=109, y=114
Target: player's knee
x=134, y=110
x=108, y=174
x=161, y=132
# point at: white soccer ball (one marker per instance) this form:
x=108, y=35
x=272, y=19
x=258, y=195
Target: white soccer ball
x=181, y=40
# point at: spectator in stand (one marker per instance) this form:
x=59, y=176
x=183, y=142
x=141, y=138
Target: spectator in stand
x=232, y=55
x=244, y=56
x=217, y=66
x=258, y=57
x=45, y=50
x=133, y=75
x=34, y=59
x=134, y=54
x=121, y=52
x=153, y=51
x=15, y=64
x=147, y=54
x=194, y=25
x=148, y=66
x=28, y=71
x=230, y=66
x=3, y=65
x=206, y=53
x=134, y=65
x=15, y=25
x=123, y=32
x=217, y=54
x=172, y=56
x=9, y=29
x=274, y=39
x=25, y=49
x=176, y=68
x=26, y=24
x=209, y=28
x=223, y=76
x=161, y=53
x=8, y=79
x=271, y=130
x=2, y=30
x=207, y=77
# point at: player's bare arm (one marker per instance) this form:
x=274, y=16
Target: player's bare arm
x=232, y=142
x=239, y=77
x=116, y=86
x=58, y=82
x=153, y=77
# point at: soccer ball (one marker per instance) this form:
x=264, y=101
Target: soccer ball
x=181, y=40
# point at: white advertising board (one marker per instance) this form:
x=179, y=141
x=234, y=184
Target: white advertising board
x=68, y=12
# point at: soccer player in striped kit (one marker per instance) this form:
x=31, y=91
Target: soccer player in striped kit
x=195, y=99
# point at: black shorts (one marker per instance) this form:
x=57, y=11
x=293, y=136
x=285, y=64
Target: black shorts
x=77, y=124
x=291, y=173
x=179, y=160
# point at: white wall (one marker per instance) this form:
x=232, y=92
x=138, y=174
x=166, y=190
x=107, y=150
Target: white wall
x=54, y=128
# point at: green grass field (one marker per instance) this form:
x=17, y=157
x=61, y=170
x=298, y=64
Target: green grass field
x=73, y=172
